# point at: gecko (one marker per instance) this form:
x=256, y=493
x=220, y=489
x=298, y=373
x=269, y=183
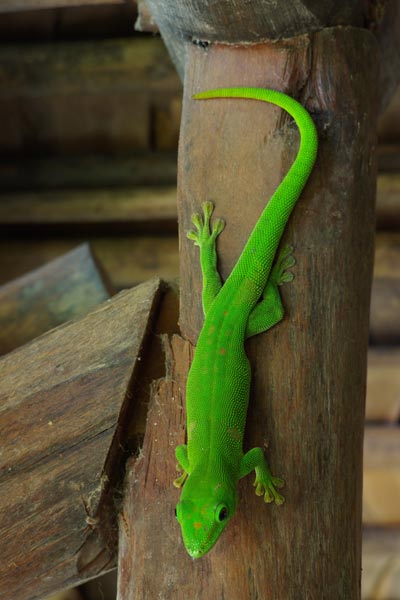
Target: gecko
x=218, y=385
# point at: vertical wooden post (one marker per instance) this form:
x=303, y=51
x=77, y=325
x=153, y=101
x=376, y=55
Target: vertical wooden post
x=309, y=372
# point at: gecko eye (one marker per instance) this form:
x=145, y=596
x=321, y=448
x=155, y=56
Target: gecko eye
x=221, y=514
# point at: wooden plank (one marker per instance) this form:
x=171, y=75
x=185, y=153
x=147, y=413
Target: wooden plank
x=385, y=300
x=317, y=541
x=389, y=123
x=388, y=201
x=389, y=158
x=381, y=564
x=22, y=5
x=106, y=122
x=88, y=67
x=152, y=168
x=126, y=260
x=381, y=497
x=68, y=407
x=144, y=209
x=82, y=97
x=78, y=22
x=383, y=385
x=65, y=288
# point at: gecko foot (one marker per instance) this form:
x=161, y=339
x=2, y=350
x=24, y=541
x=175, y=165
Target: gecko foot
x=203, y=235
x=179, y=481
x=285, y=261
x=267, y=486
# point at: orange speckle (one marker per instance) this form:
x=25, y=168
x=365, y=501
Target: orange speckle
x=211, y=330
x=197, y=525
x=225, y=313
x=222, y=351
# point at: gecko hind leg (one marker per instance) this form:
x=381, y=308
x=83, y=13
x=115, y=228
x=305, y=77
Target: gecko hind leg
x=269, y=311
x=183, y=464
x=205, y=237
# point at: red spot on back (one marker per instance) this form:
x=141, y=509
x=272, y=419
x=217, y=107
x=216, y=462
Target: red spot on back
x=222, y=351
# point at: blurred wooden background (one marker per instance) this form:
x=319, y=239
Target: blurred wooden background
x=89, y=133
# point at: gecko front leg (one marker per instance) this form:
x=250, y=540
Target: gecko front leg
x=205, y=237
x=266, y=485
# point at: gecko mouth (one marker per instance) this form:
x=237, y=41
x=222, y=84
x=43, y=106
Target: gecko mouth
x=206, y=545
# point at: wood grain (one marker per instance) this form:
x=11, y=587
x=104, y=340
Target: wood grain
x=65, y=288
x=67, y=403
x=307, y=373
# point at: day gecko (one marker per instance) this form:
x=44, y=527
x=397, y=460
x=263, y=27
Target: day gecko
x=218, y=384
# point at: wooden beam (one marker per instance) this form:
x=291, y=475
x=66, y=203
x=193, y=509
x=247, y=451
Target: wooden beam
x=383, y=385
x=381, y=476
x=151, y=168
x=388, y=201
x=69, y=401
x=109, y=97
x=7, y=6
x=86, y=67
x=381, y=563
x=236, y=22
x=140, y=209
x=66, y=288
x=301, y=408
x=385, y=302
x=127, y=260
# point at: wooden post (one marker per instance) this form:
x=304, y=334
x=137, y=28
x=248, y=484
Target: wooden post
x=309, y=372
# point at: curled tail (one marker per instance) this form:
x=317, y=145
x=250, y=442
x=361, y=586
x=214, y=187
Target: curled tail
x=260, y=249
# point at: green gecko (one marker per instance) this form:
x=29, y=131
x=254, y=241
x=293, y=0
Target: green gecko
x=218, y=384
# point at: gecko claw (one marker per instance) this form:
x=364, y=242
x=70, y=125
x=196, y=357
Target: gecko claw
x=179, y=481
x=267, y=488
x=286, y=260
x=203, y=236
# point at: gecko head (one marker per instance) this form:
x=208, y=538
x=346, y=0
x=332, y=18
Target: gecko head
x=204, y=510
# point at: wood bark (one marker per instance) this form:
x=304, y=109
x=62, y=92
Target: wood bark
x=69, y=411
x=65, y=288
x=309, y=369
x=237, y=22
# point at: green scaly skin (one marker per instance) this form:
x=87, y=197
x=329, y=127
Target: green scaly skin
x=218, y=383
